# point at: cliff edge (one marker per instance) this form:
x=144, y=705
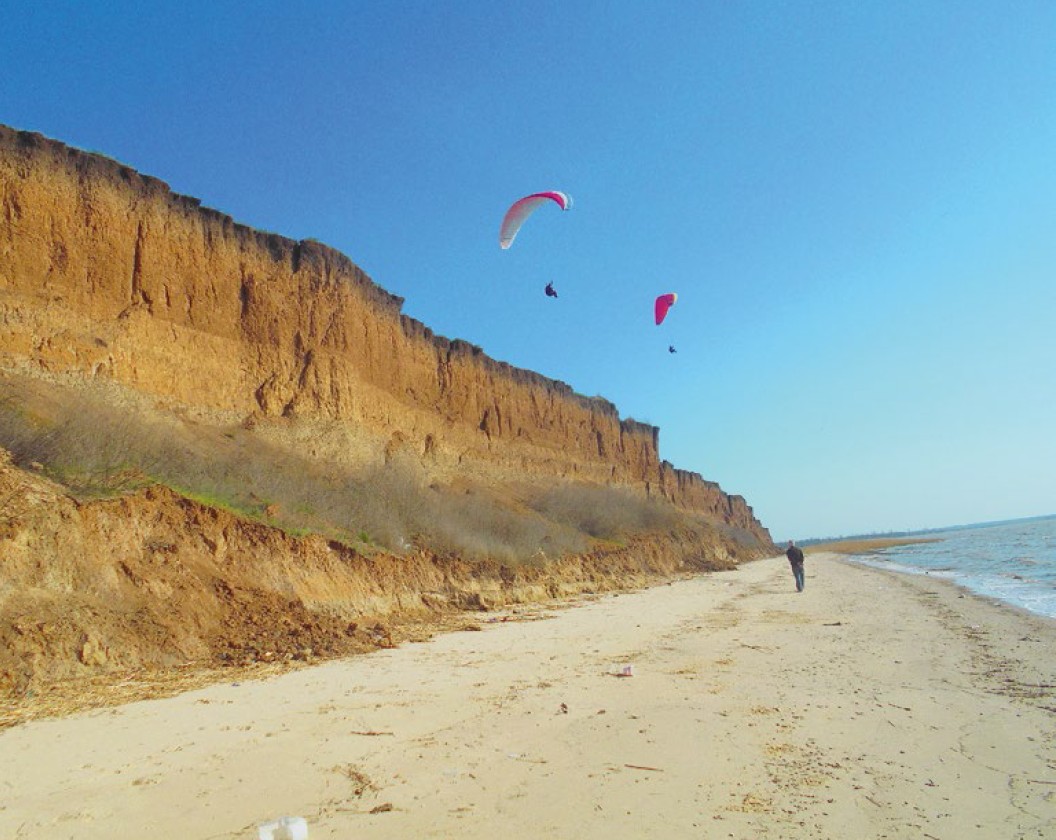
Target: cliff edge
x=222, y=448
x=106, y=274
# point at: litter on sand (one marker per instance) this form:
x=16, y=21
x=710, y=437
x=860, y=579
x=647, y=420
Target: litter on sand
x=284, y=828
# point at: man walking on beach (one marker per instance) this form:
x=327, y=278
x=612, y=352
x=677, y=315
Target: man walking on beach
x=795, y=557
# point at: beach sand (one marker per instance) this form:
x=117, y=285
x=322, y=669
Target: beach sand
x=871, y=705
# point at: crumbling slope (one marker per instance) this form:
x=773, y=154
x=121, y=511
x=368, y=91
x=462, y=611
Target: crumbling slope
x=106, y=274
x=151, y=580
x=116, y=291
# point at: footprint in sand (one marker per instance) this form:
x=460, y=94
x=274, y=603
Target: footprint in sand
x=143, y=781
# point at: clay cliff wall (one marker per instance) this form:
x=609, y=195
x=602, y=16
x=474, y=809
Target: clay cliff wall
x=149, y=579
x=107, y=274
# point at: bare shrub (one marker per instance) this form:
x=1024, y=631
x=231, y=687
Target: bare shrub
x=607, y=513
x=98, y=447
x=478, y=526
x=87, y=447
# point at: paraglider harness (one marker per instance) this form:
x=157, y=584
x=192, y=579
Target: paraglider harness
x=550, y=291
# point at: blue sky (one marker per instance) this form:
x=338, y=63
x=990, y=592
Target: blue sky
x=856, y=203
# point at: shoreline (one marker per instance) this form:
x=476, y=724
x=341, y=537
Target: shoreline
x=873, y=704
x=949, y=580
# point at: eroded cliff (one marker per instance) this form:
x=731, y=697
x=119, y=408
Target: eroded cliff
x=189, y=402
x=106, y=274
x=149, y=582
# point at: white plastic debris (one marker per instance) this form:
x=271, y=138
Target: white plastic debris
x=284, y=828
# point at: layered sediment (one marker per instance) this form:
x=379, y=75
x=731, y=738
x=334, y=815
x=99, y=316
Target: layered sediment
x=106, y=274
x=112, y=283
x=150, y=581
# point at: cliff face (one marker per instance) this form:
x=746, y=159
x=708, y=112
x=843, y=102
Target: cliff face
x=152, y=580
x=106, y=274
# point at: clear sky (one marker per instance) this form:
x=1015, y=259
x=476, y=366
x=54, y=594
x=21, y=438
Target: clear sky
x=856, y=203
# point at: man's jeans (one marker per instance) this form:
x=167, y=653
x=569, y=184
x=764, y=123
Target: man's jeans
x=801, y=580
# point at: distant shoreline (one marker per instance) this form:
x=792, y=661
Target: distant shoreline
x=864, y=546
x=919, y=535
x=1014, y=564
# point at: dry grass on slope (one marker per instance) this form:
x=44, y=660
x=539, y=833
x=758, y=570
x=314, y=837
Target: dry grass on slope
x=98, y=448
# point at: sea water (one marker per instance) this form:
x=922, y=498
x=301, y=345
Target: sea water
x=1014, y=562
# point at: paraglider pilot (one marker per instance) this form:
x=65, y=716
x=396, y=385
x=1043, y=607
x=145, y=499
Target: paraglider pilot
x=671, y=348
x=550, y=291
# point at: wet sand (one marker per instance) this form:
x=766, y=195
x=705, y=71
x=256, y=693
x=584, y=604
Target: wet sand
x=870, y=706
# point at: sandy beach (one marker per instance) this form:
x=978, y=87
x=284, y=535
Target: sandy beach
x=870, y=706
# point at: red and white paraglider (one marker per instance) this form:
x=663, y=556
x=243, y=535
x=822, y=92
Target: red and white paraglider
x=523, y=208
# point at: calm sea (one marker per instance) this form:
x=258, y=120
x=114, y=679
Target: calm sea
x=1013, y=562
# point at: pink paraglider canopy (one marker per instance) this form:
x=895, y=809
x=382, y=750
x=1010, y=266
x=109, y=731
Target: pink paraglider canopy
x=664, y=303
x=523, y=208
